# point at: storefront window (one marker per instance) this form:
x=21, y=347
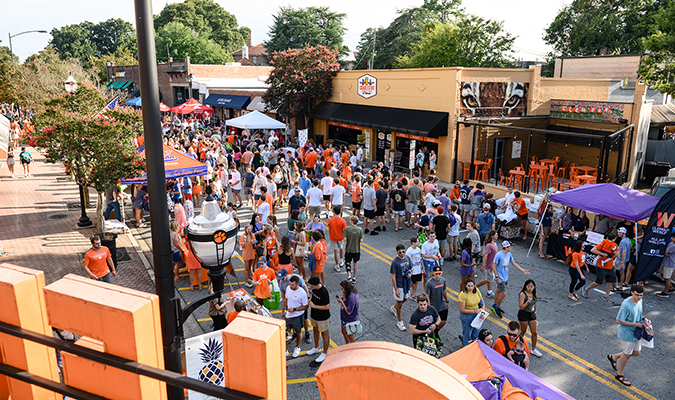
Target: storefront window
x=344, y=135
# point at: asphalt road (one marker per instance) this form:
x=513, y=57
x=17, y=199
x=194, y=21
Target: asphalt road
x=574, y=337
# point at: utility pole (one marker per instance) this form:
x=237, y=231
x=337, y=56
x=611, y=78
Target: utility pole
x=372, y=55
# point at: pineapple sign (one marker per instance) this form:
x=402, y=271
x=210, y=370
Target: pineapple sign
x=204, y=359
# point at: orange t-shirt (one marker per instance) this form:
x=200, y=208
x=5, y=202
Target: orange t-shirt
x=579, y=257
x=140, y=139
x=268, y=198
x=262, y=289
x=231, y=316
x=248, y=252
x=310, y=159
x=454, y=194
x=347, y=173
x=320, y=252
x=344, y=183
x=603, y=261
x=520, y=205
x=97, y=261
x=356, y=192
x=345, y=157
x=337, y=226
x=499, y=345
x=329, y=162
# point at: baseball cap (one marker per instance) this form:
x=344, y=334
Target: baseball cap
x=441, y=210
x=486, y=206
x=437, y=268
x=623, y=230
x=436, y=203
x=262, y=260
x=282, y=273
x=506, y=243
x=314, y=280
x=297, y=189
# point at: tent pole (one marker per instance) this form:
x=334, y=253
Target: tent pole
x=528, y=176
x=536, y=231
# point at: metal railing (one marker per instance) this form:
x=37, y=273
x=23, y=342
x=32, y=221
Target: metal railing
x=170, y=378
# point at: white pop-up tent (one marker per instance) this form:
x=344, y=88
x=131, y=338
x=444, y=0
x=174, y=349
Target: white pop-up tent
x=255, y=120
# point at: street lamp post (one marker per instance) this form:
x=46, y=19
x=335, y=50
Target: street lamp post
x=71, y=86
x=11, y=53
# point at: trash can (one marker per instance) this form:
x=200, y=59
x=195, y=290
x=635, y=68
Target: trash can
x=110, y=241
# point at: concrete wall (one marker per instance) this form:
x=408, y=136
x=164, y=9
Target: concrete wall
x=600, y=67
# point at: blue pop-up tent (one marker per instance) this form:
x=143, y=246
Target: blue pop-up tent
x=136, y=102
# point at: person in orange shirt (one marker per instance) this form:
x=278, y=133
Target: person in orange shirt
x=310, y=160
x=607, y=250
x=521, y=209
x=454, y=194
x=270, y=249
x=336, y=227
x=320, y=254
x=98, y=263
x=262, y=278
x=267, y=199
x=247, y=242
x=345, y=156
x=505, y=343
x=238, y=307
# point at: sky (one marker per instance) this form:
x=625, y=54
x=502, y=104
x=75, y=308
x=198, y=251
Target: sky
x=525, y=19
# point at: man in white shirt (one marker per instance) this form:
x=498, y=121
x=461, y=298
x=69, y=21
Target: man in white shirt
x=359, y=154
x=265, y=154
x=235, y=184
x=415, y=254
x=264, y=211
x=337, y=194
x=508, y=198
x=314, y=197
x=295, y=303
x=326, y=186
x=430, y=254
x=258, y=182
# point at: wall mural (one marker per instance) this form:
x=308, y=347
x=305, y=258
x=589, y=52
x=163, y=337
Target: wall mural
x=587, y=110
x=493, y=99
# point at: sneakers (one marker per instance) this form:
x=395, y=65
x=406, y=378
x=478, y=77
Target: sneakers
x=287, y=353
x=352, y=279
x=296, y=352
x=401, y=326
x=336, y=268
x=440, y=261
x=605, y=298
x=384, y=229
x=536, y=352
x=377, y=228
x=663, y=294
x=342, y=263
x=307, y=337
x=248, y=284
x=497, y=311
x=366, y=231
x=321, y=358
x=490, y=294
x=315, y=350
x=393, y=311
x=359, y=223
x=373, y=233
x=584, y=292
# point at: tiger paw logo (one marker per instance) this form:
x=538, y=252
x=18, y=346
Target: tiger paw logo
x=219, y=237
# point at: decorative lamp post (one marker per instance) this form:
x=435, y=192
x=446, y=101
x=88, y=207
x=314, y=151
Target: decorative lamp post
x=71, y=86
x=212, y=236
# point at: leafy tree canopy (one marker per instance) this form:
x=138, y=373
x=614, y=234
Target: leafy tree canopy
x=469, y=41
x=300, y=78
x=658, y=67
x=314, y=26
x=207, y=18
x=181, y=41
x=589, y=27
x=398, y=39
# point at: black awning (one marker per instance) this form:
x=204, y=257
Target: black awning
x=415, y=122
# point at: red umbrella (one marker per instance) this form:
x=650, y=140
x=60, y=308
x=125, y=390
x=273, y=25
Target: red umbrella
x=163, y=107
x=191, y=106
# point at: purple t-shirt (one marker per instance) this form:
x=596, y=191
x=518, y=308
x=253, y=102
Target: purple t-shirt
x=466, y=258
x=352, y=304
x=445, y=202
x=490, y=253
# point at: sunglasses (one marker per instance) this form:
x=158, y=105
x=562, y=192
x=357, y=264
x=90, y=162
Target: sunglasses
x=512, y=334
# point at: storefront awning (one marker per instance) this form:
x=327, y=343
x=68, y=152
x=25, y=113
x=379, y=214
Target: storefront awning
x=227, y=101
x=663, y=115
x=415, y=122
x=119, y=85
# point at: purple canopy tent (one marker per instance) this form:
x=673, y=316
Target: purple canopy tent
x=609, y=199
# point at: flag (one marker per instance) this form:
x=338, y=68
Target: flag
x=657, y=237
x=112, y=105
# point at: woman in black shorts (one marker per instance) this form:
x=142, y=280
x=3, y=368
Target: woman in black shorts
x=527, y=315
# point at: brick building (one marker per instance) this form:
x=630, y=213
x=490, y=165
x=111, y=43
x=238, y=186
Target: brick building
x=251, y=55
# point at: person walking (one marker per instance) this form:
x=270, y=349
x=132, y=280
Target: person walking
x=353, y=237
x=546, y=224
x=349, y=308
x=295, y=304
x=470, y=303
x=176, y=249
x=527, y=313
x=440, y=224
x=380, y=206
x=26, y=158
x=485, y=221
x=319, y=305
x=336, y=227
x=414, y=195
x=248, y=242
x=112, y=197
x=438, y=296
x=415, y=255
x=98, y=262
x=10, y=160
x=628, y=318
x=505, y=343
x=431, y=255
x=607, y=250
x=401, y=273
x=488, y=258
x=369, y=202
x=500, y=267
x=466, y=263
x=424, y=320
x=576, y=260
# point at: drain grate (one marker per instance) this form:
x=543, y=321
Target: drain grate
x=121, y=253
x=57, y=216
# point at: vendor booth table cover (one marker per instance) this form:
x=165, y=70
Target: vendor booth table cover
x=176, y=165
x=255, y=120
x=495, y=377
x=609, y=199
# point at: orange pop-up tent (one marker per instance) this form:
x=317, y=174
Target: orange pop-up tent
x=496, y=378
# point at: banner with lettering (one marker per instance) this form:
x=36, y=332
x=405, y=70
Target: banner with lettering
x=657, y=237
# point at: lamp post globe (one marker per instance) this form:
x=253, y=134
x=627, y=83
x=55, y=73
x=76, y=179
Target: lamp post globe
x=70, y=84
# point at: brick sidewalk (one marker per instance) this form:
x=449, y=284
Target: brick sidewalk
x=38, y=231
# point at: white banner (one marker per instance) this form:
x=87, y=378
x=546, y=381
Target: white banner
x=204, y=361
x=302, y=137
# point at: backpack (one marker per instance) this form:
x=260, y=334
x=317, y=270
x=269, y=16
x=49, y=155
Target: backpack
x=452, y=218
x=507, y=348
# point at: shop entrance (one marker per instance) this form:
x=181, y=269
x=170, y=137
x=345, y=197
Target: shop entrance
x=405, y=145
x=383, y=143
x=500, y=144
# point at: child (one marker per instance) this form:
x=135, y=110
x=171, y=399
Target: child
x=518, y=355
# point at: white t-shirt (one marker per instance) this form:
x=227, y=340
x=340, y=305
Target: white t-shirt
x=264, y=210
x=326, y=184
x=272, y=189
x=353, y=159
x=508, y=198
x=454, y=230
x=235, y=177
x=294, y=299
x=338, y=193
x=359, y=154
x=315, y=197
x=430, y=249
x=416, y=258
x=258, y=183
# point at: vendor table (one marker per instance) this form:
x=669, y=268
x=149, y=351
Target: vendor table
x=558, y=246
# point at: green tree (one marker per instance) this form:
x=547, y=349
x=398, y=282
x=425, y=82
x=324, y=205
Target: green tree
x=113, y=35
x=98, y=151
x=74, y=41
x=591, y=27
x=181, y=41
x=314, y=26
x=397, y=39
x=470, y=41
x=658, y=67
x=301, y=77
x=207, y=18
x=5, y=55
